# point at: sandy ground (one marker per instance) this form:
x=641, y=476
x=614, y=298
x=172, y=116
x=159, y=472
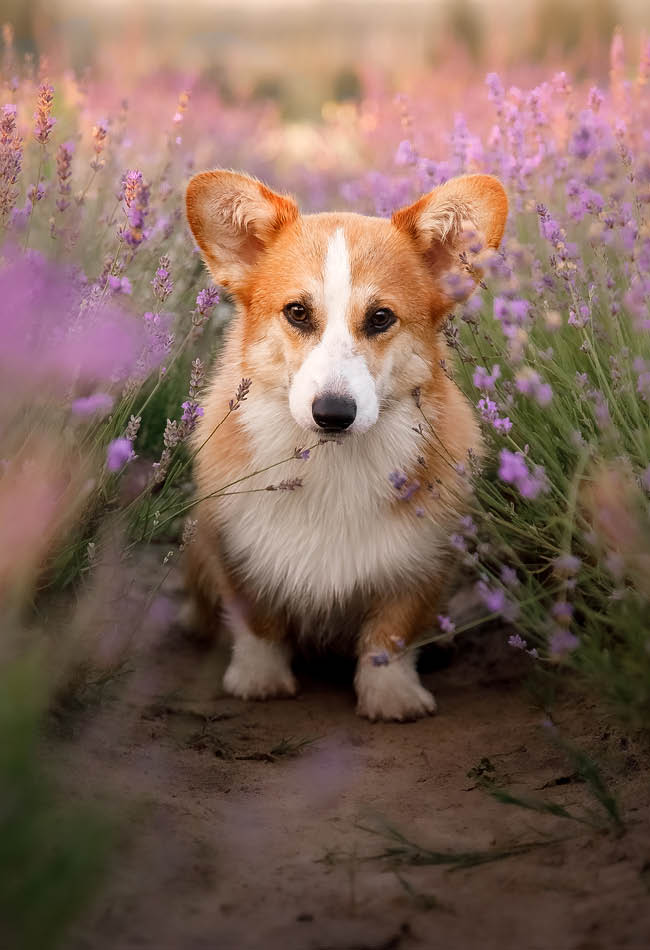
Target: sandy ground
x=227, y=840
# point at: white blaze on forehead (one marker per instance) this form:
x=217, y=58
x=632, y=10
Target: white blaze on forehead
x=332, y=365
x=337, y=288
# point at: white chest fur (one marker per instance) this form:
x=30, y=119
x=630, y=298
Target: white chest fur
x=341, y=532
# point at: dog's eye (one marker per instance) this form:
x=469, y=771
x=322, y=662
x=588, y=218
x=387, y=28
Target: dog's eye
x=379, y=320
x=296, y=313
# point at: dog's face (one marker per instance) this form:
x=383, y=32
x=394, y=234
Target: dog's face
x=340, y=310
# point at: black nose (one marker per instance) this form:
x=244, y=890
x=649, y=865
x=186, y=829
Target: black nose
x=334, y=413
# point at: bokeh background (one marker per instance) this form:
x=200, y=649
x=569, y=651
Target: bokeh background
x=118, y=750
x=302, y=53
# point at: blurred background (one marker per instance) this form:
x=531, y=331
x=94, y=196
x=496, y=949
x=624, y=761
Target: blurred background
x=303, y=53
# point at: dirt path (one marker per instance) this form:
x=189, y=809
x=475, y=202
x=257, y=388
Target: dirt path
x=232, y=843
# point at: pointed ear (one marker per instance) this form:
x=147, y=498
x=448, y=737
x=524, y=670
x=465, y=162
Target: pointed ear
x=470, y=210
x=233, y=218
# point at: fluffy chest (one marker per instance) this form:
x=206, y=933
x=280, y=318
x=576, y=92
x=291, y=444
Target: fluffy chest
x=342, y=532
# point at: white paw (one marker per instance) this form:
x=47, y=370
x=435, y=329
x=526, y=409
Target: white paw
x=259, y=669
x=392, y=692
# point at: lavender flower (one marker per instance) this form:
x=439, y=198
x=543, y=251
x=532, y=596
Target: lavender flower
x=136, y=200
x=132, y=428
x=64, y=155
x=562, y=642
x=446, y=624
x=405, y=154
x=100, y=139
x=520, y=644
x=517, y=642
x=287, y=484
x=405, y=487
x=529, y=383
x=162, y=283
x=514, y=470
x=490, y=413
x=493, y=598
x=44, y=122
x=118, y=453
x=509, y=576
x=241, y=394
x=97, y=404
x=206, y=301
x=484, y=380
x=192, y=412
x=11, y=159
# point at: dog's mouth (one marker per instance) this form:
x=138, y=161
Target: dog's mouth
x=333, y=435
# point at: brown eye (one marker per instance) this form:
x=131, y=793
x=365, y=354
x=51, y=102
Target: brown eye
x=296, y=313
x=379, y=320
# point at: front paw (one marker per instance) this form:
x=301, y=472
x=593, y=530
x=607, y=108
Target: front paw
x=392, y=692
x=261, y=671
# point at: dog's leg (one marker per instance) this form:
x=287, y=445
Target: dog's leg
x=392, y=690
x=260, y=665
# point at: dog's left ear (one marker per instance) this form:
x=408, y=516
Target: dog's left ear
x=439, y=222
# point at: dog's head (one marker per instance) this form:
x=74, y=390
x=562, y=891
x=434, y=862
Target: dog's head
x=342, y=311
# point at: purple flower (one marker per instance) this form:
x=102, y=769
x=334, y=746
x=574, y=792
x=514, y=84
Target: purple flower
x=405, y=154
x=529, y=383
x=401, y=483
x=490, y=413
x=469, y=528
x=192, y=412
x=584, y=140
x=458, y=541
x=484, y=380
x=509, y=576
x=162, y=282
x=135, y=192
x=514, y=471
x=495, y=90
x=562, y=642
x=118, y=453
x=496, y=601
x=517, y=642
x=520, y=644
x=206, y=301
x=120, y=285
x=47, y=310
x=97, y=404
x=446, y=624
x=512, y=467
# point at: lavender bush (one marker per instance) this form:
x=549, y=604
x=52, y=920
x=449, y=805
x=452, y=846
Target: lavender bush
x=109, y=326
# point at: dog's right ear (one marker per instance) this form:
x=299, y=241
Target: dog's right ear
x=233, y=217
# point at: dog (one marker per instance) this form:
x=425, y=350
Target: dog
x=339, y=331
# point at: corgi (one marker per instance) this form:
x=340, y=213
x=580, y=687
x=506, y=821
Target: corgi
x=338, y=334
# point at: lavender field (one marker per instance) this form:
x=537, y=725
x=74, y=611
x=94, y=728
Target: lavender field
x=109, y=326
